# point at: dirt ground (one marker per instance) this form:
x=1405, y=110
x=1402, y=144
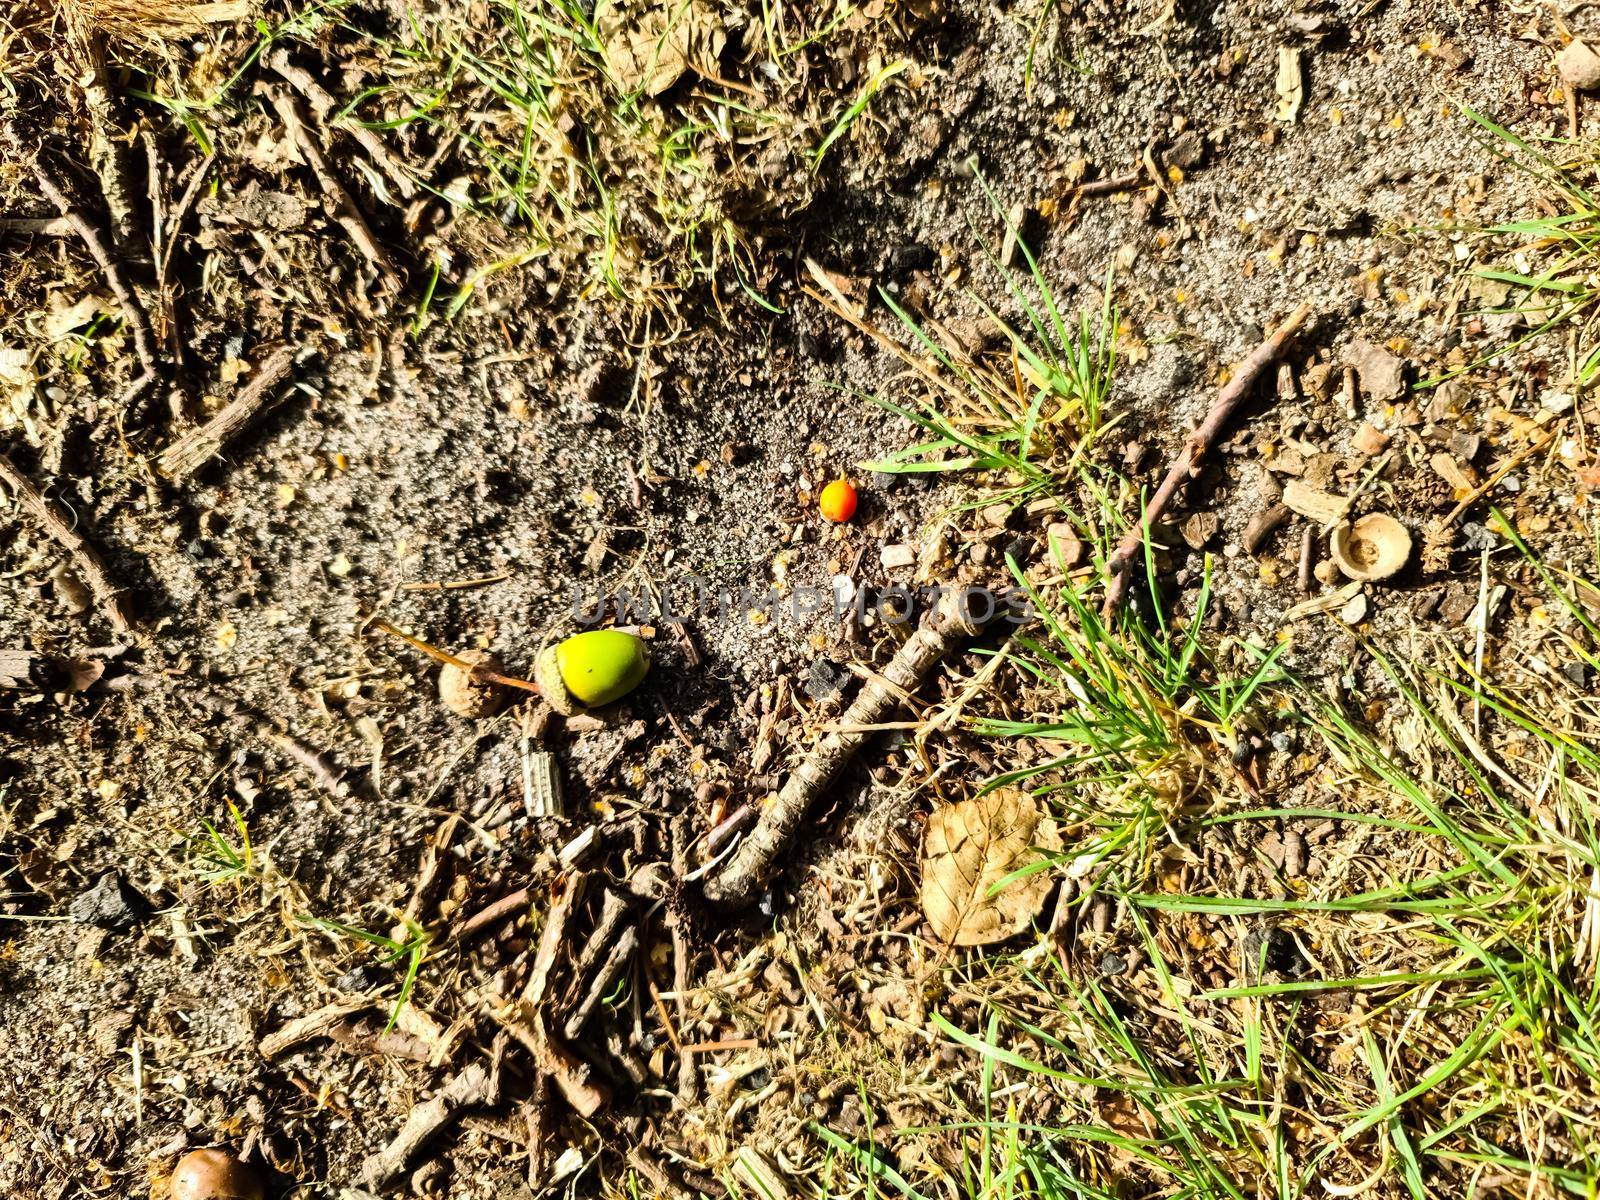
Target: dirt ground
x=470, y=479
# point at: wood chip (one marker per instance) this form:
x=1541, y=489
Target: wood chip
x=1313, y=504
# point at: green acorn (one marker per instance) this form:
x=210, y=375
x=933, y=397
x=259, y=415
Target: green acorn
x=590, y=669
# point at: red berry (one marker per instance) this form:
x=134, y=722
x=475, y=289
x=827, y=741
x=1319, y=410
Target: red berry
x=838, y=501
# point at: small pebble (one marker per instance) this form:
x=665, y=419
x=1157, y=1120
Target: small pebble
x=1579, y=66
x=896, y=557
x=1478, y=537
x=1113, y=964
x=1355, y=611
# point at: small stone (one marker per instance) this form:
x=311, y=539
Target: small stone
x=1326, y=571
x=825, y=680
x=360, y=980
x=1199, y=528
x=1354, y=612
x=914, y=256
x=1370, y=440
x=1065, y=544
x=1382, y=374
x=1282, y=741
x=1478, y=537
x=1579, y=66
x=1457, y=605
x=1272, y=949
x=1187, y=149
x=1556, y=402
x=897, y=557
x=885, y=481
x=1465, y=446
x=109, y=903
x=1112, y=963
x=1577, y=672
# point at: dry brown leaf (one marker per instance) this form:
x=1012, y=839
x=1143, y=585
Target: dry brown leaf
x=649, y=46
x=971, y=846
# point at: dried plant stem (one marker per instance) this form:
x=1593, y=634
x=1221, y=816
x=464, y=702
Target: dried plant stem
x=1195, y=447
x=746, y=872
x=133, y=313
x=345, y=209
x=324, y=105
x=476, y=670
x=204, y=442
x=105, y=154
x=84, y=557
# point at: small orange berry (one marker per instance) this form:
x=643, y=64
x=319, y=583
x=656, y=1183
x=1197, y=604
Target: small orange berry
x=838, y=501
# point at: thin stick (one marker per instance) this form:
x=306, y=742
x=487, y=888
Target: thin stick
x=688, y=1074
x=204, y=442
x=345, y=209
x=1195, y=447
x=41, y=226
x=726, y=1044
x=138, y=321
x=323, y=105
x=84, y=556
x=1104, y=187
x=1483, y=489
x=476, y=670
x=502, y=909
x=180, y=212
x=320, y=766
x=746, y=872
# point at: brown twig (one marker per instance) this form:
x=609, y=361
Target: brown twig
x=747, y=870
x=345, y=210
x=324, y=104
x=475, y=1086
x=133, y=313
x=1195, y=447
x=105, y=150
x=619, y=952
x=476, y=670
x=688, y=1075
x=1114, y=183
x=320, y=766
x=503, y=909
x=1260, y=527
x=84, y=557
x=201, y=444
x=723, y=1044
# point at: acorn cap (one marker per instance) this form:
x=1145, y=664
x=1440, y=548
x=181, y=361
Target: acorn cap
x=214, y=1175
x=1374, y=548
x=469, y=697
x=547, y=674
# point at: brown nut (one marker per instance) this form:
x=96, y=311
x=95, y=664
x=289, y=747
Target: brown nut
x=214, y=1175
x=1374, y=548
x=469, y=697
x=1579, y=66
